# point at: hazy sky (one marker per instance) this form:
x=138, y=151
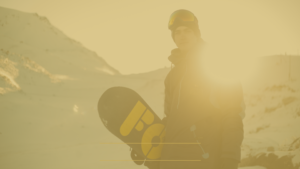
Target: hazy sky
x=132, y=35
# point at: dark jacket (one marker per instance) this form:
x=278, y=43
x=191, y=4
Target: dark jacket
x=198, y=109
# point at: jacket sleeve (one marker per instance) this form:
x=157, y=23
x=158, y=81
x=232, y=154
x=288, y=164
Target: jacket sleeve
x=233, y=109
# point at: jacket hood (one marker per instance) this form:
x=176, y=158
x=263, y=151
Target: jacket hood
x=177, y=57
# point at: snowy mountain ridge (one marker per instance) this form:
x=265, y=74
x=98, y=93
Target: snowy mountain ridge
x=30, y=38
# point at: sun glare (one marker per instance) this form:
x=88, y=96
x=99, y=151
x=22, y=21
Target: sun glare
x=226, y=67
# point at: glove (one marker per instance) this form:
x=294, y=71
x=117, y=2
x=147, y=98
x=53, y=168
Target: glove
x=229, y=163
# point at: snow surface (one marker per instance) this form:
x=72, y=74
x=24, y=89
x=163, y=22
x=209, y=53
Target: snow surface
x=50, y=86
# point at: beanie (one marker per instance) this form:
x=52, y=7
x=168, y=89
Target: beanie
x=192, y=25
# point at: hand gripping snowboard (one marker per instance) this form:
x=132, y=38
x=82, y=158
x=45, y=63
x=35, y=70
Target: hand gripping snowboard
x=126, y=115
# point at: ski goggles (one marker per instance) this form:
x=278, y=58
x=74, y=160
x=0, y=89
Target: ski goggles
x=181, y=15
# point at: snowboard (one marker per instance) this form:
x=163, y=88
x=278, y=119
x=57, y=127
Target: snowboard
x=127, y=116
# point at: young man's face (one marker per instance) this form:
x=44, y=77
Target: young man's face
x=184, y=38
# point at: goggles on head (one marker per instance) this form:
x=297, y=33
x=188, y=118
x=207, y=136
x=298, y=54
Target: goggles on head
x=181, y=15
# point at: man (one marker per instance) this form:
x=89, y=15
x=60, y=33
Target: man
x=203, y=118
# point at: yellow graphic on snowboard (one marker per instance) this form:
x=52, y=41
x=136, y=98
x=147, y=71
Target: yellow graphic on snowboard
x=136, y=119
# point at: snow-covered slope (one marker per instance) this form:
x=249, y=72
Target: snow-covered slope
x=272, y=122
x=49, y=90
